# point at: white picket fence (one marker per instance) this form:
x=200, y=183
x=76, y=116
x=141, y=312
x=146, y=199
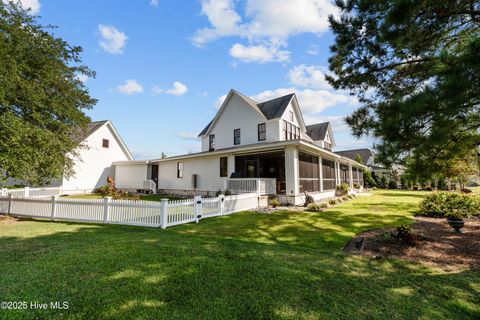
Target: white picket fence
x=128, y=212
x=32, y=192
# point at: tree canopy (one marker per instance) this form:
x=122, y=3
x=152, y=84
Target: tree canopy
x=415, y=66
x=41, y=99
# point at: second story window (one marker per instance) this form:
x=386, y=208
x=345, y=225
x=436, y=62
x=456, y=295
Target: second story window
x=262, y=132
x=291, y=116
x=211, y=142
x=236, y=136
x=105, y=143
x=290, y=131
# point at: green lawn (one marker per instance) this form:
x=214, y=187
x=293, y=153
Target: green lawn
x=286, y=265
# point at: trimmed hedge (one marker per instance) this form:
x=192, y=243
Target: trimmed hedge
x=440, y=204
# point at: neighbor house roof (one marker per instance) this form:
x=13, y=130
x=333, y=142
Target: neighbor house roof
x=317, y=131
x=271, y=109
x=365, y=153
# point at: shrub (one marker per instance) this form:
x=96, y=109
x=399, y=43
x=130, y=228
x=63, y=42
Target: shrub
x=332, y=201
x=308, y=200
x=342, y=189
x=356, y=186
x=404, y=233
x=465, y=190
x=454, y=215
x=324, y=204
x=345, y=198
x=114, y=193
x=428, y=188
x=273, y=202
x=227, y=192
x=392, y=184
x=439, y=204
x=314, y=207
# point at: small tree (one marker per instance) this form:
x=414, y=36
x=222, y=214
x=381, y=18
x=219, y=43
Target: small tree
x=358, y=158
x=368, y=179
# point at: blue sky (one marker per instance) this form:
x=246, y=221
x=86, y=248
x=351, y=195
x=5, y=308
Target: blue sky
x=163, y=66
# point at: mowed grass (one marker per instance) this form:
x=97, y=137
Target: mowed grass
x=286, y=265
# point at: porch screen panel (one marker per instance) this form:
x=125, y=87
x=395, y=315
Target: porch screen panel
x=355, y=175
x=328, y=172
x=360, y=174
x=344, y=173
x=309, y=172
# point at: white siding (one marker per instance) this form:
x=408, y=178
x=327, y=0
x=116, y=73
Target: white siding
x=207, y=168
x=95, y=163
x=130, y=176
x=237, y=114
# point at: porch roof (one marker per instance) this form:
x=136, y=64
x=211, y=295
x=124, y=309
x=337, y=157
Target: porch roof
x=258, y=147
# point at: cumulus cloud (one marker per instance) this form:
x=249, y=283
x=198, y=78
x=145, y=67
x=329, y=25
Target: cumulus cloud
x=218, y=103
x=187, y=135
x=311, y=101
x=130, y=87
x=308, y=76
x=111, y=39
x=32, y=5
x=260, y=53
x=178, y=89
x=264, y=21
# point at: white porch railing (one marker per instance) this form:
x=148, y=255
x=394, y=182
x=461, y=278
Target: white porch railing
x=261, y=186
x=150, y=185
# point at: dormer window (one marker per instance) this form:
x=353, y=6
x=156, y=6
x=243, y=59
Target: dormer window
x=290, y=131
x=211, y=142
x=105, y=143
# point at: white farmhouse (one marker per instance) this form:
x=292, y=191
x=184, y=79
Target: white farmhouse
x=249, y=144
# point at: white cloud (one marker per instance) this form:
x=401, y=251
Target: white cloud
x=130, y=87
x=187, y=135
x=178, y=89
x=311, y=101
x=313, y=50
x=111, y=39
x=260, y=53
x=308, y=76
x=82, y=77
x=218, y=103
x=154, y=3
x=33, y=5
x=269, y=22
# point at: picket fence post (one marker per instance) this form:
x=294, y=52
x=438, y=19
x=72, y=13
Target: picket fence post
x=54, y=207
x=198, y=208
x=221, y=198
x=163, y=213
x=10, y=200
x=106, y=209
x=26, y=191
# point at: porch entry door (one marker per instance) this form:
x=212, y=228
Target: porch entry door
x=154, y=174
x=251, y=168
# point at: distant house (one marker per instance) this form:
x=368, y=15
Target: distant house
x=368, y=158
x=247, y=143
x=100, y=147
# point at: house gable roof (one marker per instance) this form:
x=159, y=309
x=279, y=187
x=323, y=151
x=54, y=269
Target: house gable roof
x=93, y=126
x=365, y=153
x=317, y=131
x=275, y=108
x=232, y=92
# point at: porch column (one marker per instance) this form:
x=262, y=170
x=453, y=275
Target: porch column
x=320, y=172
x=337, y=173
x=350, y=175
x=291, y=171
x=231, y=164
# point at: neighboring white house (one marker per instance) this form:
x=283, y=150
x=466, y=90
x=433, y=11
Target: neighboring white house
x=98, y=149
x=247, y=142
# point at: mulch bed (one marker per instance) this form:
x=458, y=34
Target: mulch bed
x=7, y=219
x=436, y=244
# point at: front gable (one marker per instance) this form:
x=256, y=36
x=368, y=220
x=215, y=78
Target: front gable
x=294, y=108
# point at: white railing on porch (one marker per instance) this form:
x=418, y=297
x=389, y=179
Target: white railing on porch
x=128, y=212
x=150, y=185
x=260, y=186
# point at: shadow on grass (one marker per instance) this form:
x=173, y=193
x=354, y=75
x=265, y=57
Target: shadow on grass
x=115, y=272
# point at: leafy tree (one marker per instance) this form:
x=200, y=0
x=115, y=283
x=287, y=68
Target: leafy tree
x=41, y=99
x=368, y=179
x=164, y=155
x=358, y=158
x=383, y=182
x=416, y=69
